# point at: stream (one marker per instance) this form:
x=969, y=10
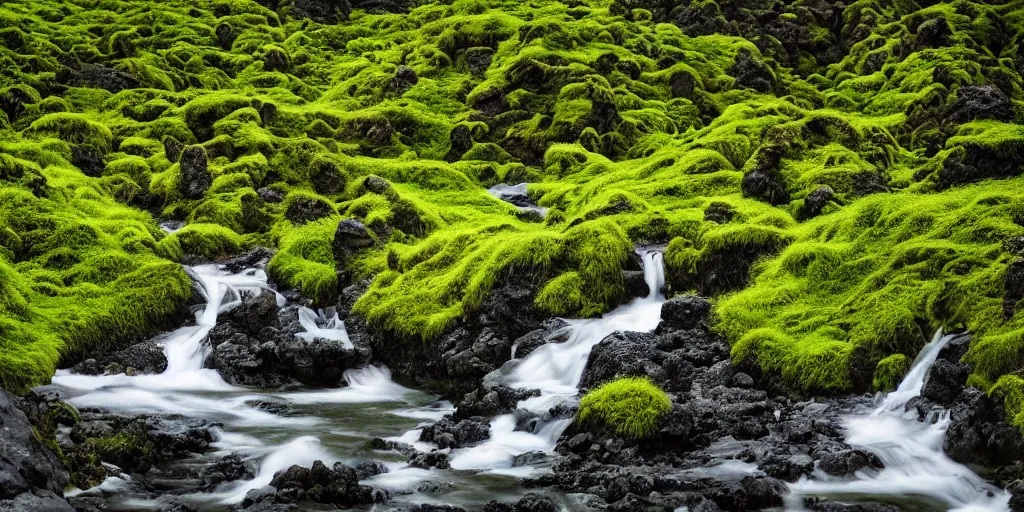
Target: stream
x=336, y=424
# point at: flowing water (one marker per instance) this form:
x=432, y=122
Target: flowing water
x=335, y=424
x=330, y=424
x=556, y=369
x=510, y=193
x=916, y=468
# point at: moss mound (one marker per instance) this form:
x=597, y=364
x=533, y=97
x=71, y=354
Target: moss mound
x=630, y=406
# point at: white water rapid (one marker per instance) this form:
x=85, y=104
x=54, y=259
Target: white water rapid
x=316, y=430
x=915, y=464
x=506, y=192
x=556, y=369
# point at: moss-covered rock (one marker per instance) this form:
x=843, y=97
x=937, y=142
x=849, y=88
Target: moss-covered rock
x=629, y=406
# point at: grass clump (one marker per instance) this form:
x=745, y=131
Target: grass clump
x=890, y=372
x=630, y=406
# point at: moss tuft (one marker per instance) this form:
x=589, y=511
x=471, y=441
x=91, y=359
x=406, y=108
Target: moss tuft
x=630, y=406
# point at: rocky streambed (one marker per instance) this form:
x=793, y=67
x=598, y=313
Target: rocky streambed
x=262, y=403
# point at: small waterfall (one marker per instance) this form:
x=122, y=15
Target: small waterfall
x=318, y=325
x=556, y=369
x=516, y=195
x=915, y=464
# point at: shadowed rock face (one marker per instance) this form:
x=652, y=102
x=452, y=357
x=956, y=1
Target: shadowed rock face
x=26, y=466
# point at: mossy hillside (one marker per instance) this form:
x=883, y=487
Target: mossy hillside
x=631, y=126
x=629, y=406
x=79, y=270
x=878, y=276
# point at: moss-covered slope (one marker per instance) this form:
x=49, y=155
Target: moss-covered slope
x=842, y=178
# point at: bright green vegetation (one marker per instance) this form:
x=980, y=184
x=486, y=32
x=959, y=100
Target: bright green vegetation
x=890, y=372
x=631, y=406
x=839, y=190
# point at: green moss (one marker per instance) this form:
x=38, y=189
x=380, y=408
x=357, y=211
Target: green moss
x=890, y=372
x=630, y=406
x=629, y=127
x=305, y=260
x=209, y=241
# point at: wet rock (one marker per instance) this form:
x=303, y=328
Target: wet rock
x=765, y=185
x=257, y=257
x=977, y=433
x=491, y=402
x=255, y=312
x=461, y=141
x=434, y=459
x=816, y=201
x=258, y=346
x=720, y=374
x=405, y=77
x=530, y=503
x=335, y=486
x=684, y=312
x=552, y=331
x=623, y=354
x=1017, y=497
x=195, y=178
x=479, y=59
x=973, y=162
x=102, y=77
x=88, y=158
x=145, y=358
x=751, y=72
x=469, y=360
x=26, y=466
x=350, y=236
x=368, y=469
x=38, y=500
x=448, y=433
x=305, y=209
x=376, y=184
x=849, y=461
x=945, y=381
x=980, y=102
x=228, y=469
x=270, y=195
x=636, y=284
x=831, y=506
x=956, y=348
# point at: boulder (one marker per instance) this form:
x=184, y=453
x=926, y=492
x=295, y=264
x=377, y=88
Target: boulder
x=945, y=381
x=636, y=283
x=305, y=209
x=195, y=179
x=350, y=236
x=750, y=72
x=448, y=433
x=977, y=433
x=847, y=462
x=684, y=312
x=38, y=500
x=26, y=466
x=337, y=486
x=816, y=201
x=980, y=102
x=623, y=354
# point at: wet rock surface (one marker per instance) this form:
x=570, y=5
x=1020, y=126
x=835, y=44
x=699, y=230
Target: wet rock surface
x=256, y=345
x=30, y=474
x=337, y=485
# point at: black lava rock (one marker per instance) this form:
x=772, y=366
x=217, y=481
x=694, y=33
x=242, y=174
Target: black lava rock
x=195, y=178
